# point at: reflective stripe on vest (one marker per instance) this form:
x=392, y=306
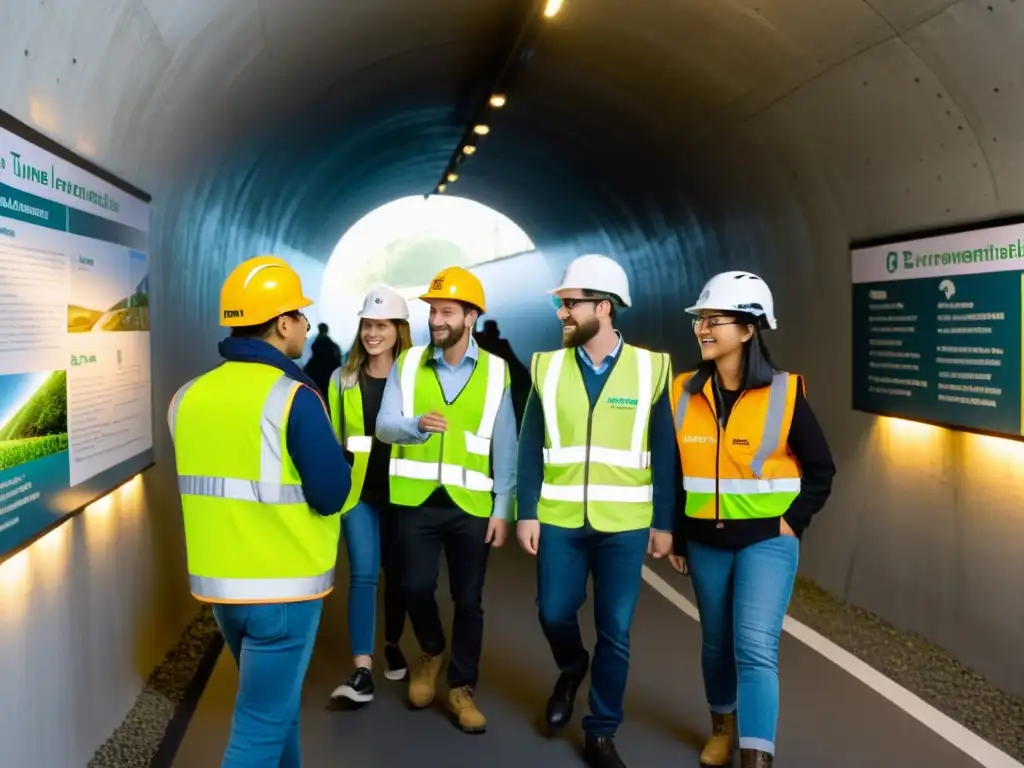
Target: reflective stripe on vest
x=601, y=474
x=750, y=483
x=270, y=489
x=635, y=458
x=478, y=442
x=347, y=420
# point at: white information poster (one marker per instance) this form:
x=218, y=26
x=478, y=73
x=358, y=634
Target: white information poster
x=75, y=392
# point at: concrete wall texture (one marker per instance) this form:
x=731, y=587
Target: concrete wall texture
x=682, y=138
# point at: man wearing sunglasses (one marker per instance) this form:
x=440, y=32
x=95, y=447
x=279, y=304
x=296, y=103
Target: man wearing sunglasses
x=596, y=490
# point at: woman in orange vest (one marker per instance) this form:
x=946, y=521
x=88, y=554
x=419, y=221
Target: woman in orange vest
x=755, y=469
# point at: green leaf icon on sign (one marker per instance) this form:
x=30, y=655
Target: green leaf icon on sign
x=947, y=287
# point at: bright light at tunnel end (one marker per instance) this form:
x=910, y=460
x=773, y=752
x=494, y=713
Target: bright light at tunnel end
x=552, y=8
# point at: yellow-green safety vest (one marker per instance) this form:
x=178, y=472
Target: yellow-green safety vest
x=460, y=458
x=346, y=401
x=250, y=536
x=597, y=465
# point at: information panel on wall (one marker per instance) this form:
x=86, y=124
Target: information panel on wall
x=937, y=329
x=75, y=396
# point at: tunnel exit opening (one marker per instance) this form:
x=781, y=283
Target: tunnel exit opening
x=402, y=244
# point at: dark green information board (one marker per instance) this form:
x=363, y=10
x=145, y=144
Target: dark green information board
x=937, y=330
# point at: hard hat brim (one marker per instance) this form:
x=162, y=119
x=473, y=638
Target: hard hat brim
x=623, y=303
x=241, y=322
x=428, y=297
x=380, y=316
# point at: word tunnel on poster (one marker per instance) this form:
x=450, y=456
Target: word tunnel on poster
x=75, y=394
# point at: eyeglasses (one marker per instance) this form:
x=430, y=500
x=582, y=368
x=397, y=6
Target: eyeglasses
x=713, y=321
x=571, y=304
x=298, y=315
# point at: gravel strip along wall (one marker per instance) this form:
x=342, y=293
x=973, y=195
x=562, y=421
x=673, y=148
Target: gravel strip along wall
x=137, y=740
x=917, y=665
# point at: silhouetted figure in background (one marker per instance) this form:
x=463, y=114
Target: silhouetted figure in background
x=491, y=341
x=325, y=358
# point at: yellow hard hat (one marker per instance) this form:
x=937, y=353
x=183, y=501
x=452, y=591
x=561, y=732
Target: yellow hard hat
x=457, y=284
x=259, y=290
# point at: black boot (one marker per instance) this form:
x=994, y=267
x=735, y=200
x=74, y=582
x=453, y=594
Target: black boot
x=563, y=698
x=755, y=758
x=600, y=752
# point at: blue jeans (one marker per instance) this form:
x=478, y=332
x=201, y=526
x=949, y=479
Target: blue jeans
x=565, y=557
x=371, y=541
x=742, y=597
x=272, y=645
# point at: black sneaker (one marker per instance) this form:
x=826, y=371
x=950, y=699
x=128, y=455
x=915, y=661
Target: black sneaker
x=358, y=688
x=397, y=667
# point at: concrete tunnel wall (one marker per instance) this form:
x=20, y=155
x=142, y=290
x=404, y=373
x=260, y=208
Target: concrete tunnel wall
x=681, y=138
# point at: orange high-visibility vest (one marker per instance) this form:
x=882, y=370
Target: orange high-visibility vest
x=746, y=470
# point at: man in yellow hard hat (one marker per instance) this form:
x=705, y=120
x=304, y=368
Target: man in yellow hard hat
x=261, y=478
x=448, y=406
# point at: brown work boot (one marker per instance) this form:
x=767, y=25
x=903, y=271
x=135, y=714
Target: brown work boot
x=461, y=704
x=718, y=748
x=423, y=681
x=755, y=758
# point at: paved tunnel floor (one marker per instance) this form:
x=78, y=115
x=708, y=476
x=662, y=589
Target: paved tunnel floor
x=829, y=718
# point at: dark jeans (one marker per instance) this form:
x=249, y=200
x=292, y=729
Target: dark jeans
x=424, y=533
x=564, y=559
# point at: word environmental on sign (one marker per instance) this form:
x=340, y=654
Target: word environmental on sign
x=937, y=329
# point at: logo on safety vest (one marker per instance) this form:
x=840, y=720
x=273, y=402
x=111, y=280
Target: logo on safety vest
x=234, y=313
x=622, y=402
x=740, y=441
x=702, y=439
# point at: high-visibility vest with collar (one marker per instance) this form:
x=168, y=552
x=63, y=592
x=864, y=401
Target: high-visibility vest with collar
x=746, y=470
x=597, y=463
x=250, y=536
x=460, y=458
x=346, y=401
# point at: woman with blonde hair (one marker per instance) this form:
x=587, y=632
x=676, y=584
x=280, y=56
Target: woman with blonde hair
x=368, y=519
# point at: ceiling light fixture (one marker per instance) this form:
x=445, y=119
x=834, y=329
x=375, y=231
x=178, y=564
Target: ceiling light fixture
x=441, y=187
x=481, y=130
x=469, y=149
x=552, y=8
x=453, y=177
x=498, y=101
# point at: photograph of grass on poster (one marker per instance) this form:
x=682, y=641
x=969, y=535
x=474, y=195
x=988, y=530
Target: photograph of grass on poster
x=33, y=417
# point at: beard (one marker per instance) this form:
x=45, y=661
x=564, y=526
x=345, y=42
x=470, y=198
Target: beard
x=581, y=333
x=450, y=339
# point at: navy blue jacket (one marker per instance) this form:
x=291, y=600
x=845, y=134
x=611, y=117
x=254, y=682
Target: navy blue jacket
x=315, y=451
x=661, y=438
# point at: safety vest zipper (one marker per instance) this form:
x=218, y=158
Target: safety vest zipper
x=718, y=455
x=586, y=464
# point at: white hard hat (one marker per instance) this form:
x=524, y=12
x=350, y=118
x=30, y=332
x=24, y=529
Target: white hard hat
x=384, y=303
x=594, y=272
x=737, y=292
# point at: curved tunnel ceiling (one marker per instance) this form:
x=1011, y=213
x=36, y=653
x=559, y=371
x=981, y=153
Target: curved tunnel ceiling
x=682, y=136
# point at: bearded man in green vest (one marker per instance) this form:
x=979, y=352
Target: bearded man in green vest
x=596, y=490
x=448, y=409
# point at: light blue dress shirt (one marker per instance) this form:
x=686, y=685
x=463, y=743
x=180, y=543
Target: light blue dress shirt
x=600, y=369
x=394, y=426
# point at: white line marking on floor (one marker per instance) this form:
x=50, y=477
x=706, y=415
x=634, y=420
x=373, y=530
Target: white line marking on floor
x=960, y=737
